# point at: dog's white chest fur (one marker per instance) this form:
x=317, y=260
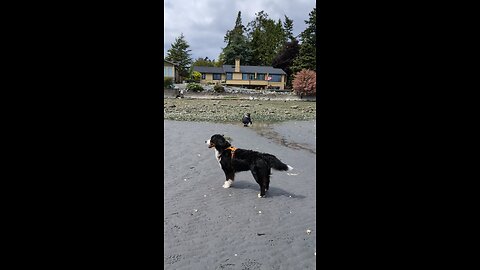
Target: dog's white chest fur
x=217, y=154
x=218, y=158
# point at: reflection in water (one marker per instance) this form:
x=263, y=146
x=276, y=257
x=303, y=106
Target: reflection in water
x=266, y=130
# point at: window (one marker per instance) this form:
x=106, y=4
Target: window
x=260, y=76
x=204, y=76
x=217, y=76
x=248, y=76
x=276, y=78
x=168, y=71
x=229, y=75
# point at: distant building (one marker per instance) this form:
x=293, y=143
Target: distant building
x=170, y=70
x=244, y=76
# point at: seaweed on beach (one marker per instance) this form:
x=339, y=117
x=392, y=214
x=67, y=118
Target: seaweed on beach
x=231, y=111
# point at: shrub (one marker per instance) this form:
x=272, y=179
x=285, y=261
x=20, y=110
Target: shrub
x=218, y=88
x=196, y=76
x=305, y=83
x=195, y=87
x=167, y=83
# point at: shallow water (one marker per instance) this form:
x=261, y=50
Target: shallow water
x=300, y=135
x=288, y=134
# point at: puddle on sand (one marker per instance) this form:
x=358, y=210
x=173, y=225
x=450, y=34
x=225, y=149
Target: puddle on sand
x=266, y=130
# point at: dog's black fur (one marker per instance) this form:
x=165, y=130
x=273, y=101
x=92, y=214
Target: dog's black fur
x=260, y=164
x=246, y=120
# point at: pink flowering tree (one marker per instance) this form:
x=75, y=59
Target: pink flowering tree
x=305, y=83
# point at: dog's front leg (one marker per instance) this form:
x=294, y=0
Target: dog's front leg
x=229, y=177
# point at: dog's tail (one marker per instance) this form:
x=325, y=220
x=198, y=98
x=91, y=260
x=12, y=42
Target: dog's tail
x=276, y=164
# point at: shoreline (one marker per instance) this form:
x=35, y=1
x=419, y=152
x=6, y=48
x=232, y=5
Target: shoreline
x=253, y=95
x=231, y=110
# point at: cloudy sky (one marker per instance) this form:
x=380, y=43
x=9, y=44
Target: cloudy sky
x=205, y=22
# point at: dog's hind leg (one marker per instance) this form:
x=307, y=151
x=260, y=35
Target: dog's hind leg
x=267, y=179
x=263, y=190
x=261, y=181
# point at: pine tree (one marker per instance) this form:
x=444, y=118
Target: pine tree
x=180, y=54
x=284, y=59
x=237, y=45
x=289, y=51
x=266, y=39
x=288, y=28
x=307, y=55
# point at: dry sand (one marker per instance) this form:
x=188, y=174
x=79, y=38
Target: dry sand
x=209, y=227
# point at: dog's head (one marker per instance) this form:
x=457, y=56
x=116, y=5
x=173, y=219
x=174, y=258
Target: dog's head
x=218, y=141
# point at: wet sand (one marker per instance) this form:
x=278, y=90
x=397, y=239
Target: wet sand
x=209, y=227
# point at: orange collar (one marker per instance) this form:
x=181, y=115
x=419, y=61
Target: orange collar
x=232, y=149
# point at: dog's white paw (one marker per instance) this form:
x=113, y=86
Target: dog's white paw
x=290, y=167
x=227, y=184
x=259, y=196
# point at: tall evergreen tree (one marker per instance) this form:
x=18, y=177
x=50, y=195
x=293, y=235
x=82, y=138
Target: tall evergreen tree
x=237, y=44
x=289, y=51
x=285, y=58
x=288, y=28
x=266, y=39
x=180, y=54
x=307, y=55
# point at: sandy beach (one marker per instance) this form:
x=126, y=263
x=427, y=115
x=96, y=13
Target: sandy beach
x=209, y=227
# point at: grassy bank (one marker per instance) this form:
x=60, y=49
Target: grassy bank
x=228, y=110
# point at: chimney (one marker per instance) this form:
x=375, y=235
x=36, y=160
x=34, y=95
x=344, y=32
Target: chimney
x=237, y=65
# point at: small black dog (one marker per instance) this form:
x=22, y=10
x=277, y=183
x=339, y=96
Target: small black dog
x=246, y=120
x=232, y=160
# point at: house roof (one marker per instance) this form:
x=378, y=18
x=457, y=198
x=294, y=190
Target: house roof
x=243, y=69
x=254, y=69
x=203, y=69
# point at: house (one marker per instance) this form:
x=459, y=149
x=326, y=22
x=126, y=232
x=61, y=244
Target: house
x=243, y=76
x=170, y=70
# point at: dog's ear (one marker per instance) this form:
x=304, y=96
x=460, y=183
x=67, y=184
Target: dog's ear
x=221, y=142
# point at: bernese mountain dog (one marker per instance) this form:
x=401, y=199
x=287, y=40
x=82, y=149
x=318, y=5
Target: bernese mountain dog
x=234, y=160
